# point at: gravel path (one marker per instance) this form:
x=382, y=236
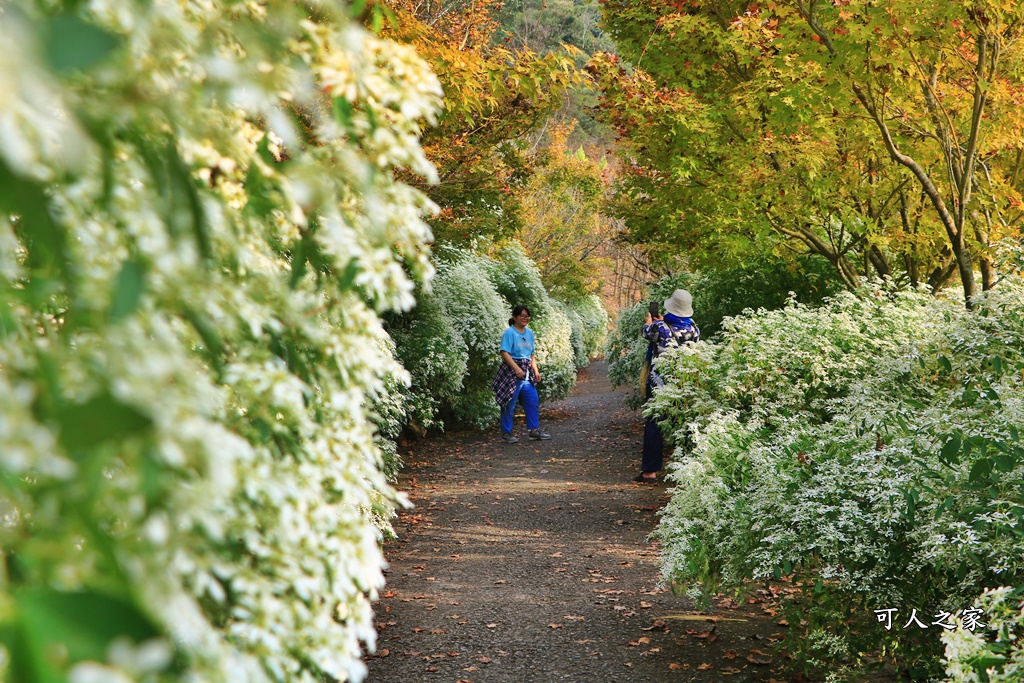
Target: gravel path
x=530, y=562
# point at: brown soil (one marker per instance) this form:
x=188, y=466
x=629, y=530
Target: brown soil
x=531, y=562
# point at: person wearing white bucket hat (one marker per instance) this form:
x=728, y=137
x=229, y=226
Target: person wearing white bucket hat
x=674, y=329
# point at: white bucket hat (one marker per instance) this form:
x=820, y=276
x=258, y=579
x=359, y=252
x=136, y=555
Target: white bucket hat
x=680, y=304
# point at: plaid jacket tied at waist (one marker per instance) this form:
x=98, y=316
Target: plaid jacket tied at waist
x=504, y=384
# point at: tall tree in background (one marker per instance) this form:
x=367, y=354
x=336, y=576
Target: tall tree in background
x=494, y=96
x=885, y=139
x=564, y=229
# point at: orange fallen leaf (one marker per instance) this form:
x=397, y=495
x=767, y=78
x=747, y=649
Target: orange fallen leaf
x=704, y=667
x=555, y=625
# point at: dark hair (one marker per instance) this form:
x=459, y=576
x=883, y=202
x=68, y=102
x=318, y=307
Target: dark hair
x=515, y=314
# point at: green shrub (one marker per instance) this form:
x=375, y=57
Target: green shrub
x=195, y=252
x=868, y=449
x=595, y=322
x=554, y=353
x=626, y=352
x=480, y=316
x=437, y=357
x=717, y=296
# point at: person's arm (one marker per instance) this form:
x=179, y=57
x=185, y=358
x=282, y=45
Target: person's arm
x=650, y=330
x=509, y=361
x=533, y=367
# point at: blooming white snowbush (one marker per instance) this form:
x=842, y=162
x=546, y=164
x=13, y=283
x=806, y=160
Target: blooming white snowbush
x=479, y=315
x=594, y=321
x=449, y=342
x=869, y=449
x=199, y=225
x=626, y=351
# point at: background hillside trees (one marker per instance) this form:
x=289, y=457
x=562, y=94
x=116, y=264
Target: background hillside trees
x=494, y=96
x=885, y=139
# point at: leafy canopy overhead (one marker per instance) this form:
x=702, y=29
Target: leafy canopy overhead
x=885, y=138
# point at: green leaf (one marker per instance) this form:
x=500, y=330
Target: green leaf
x=343, y=112
x=1004, y=462
x=72, y=44
x=950, y=450
x=100, y=419
x=82, y=624
x=946, y=365
x=127, y=291
x=980, y=469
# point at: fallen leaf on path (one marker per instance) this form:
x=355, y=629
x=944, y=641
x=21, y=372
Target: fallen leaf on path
x=436, y=631
x=646, y=605
x=471, y=667
x=484, y=660
x=432, y=669
x=572, y=617
x=729, y=672
x=555, y=625
x=383, y=653
x=411, y=653
x=704, y=667
x=759, y=657
x=492, y=625
x=658, y=625
x=676, y=666
x=416, y=629
x=500, y=581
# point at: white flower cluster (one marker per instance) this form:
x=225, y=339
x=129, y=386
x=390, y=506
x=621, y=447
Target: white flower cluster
x=869, y=448
x=200, y=229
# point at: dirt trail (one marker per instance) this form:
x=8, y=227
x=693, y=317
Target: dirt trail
x=530, y=562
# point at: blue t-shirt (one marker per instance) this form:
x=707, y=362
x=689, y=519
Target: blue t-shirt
x=517, y=344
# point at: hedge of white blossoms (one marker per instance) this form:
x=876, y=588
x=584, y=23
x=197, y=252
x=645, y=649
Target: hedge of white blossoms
x=870, y=450
x=200, y=225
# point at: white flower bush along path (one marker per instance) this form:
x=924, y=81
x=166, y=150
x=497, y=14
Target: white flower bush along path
x=869, y=450
x=199, y=225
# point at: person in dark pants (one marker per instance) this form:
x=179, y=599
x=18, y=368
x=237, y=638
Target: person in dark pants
x=675, y=328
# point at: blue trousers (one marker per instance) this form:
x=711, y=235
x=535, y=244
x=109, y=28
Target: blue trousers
x=526, y=393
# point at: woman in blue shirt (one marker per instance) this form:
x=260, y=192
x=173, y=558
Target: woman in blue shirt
x=518, y=377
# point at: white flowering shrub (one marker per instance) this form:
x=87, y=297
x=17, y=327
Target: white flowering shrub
x=576, y=340
x=199, y=225
x=594, y=320
x=868, y=449
x=626, y=351
x=437, y=357
x=555, y=356
x=517, y=279
x=479, y=315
